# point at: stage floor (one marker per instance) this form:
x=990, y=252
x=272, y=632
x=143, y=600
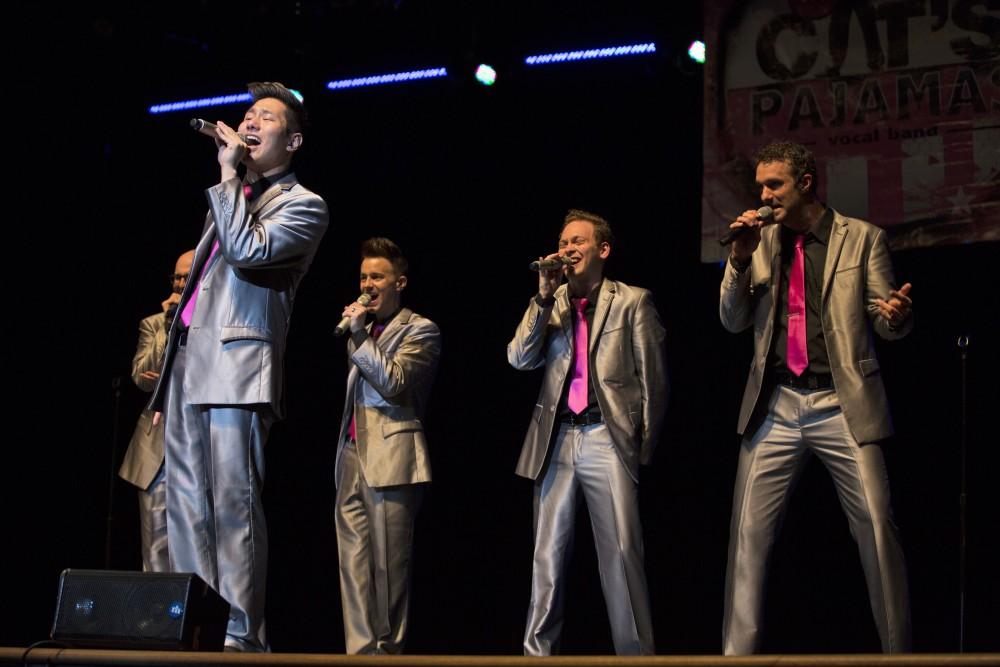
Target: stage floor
x=91, y=658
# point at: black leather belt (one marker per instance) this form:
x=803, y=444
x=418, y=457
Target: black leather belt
x=805, y=381
x=586, y=419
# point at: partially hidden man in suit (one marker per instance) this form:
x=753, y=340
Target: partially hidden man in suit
x=814, y=288
x=142, y=465
x=382, y=462
x=598, y=416
x=221, y=387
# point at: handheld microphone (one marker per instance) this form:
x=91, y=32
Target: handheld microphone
x=208, y=129
x=171, y=314
x=345, y=323
x=764, y=212
x=550, y=264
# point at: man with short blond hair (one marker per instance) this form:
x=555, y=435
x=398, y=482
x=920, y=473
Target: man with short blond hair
x=597, y=418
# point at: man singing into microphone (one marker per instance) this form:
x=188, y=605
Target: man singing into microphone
x=598, y=416
x=142, y=464
x=813, y=287
x=382, y=460
x=221, y=387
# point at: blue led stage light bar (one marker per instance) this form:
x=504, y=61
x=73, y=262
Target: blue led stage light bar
x=218, y=100
x=591, y=54
x=382, y=79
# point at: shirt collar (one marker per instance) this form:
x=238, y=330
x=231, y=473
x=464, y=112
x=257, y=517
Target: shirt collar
x=258, y=187
x=820, y=230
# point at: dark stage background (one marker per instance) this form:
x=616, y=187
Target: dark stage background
x=472, y=183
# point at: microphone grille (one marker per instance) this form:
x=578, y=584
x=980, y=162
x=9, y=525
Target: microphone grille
x=765, y=212
x=365, y=299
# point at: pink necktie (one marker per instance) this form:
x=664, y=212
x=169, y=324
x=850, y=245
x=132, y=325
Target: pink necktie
x=578, y=386
x=188, y=311
x=352, y=431
x=797, y=357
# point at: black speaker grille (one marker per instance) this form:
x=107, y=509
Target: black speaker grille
x=133, y=607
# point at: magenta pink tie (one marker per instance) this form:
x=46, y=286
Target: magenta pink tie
x=578, y=385
x=352, y=430
x=188, y=311
x=797, y=357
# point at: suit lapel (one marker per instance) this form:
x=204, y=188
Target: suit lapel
x=198, y=268
x=268, y=195
x=401, y=318
x=606, y=295
x=565, y=315
x=775, y=248
x=837, y=236
x=161, y=336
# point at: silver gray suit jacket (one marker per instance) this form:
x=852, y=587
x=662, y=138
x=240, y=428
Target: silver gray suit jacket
x=387, y=389
x=627, y=365
x=857, y=271
x=144, y=455
x=236, y=341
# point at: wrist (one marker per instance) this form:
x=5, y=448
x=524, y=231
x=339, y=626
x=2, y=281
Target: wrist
x=544, y=301
x=897, y=326
x=359, y=337
x=738, y=263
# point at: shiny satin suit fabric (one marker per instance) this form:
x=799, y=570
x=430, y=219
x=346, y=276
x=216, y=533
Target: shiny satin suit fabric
x=380, y=478
x=142, y=464
x=225, y=389
x=839, y=426
x=584, y=463
x=599, y=462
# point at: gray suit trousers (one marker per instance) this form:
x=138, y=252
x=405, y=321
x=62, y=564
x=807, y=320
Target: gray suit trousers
x=153, y=525
x=375, y=546
x=215, y=518
x=800, y=422
x=584, y=459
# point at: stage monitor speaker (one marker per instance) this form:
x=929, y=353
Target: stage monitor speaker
x=139, y=610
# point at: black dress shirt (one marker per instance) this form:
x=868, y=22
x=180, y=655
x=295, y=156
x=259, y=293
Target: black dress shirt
x=816, y=242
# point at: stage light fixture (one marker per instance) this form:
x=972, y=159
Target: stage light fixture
x=486, y=75
x=383, y=79
x=697, y=51
x=590, y=54
x=216, y=101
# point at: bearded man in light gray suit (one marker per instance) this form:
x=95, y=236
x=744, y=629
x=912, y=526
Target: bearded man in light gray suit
x=598, y=416
x=814, y=288
x=221, y=387
x=142, y=464
x=382, y=462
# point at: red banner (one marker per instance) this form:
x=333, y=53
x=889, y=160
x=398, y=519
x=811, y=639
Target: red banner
x=898, y=100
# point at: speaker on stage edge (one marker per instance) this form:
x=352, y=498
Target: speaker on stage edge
x=139, y=610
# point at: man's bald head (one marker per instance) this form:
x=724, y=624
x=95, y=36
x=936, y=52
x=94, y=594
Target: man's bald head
x=181, y=270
